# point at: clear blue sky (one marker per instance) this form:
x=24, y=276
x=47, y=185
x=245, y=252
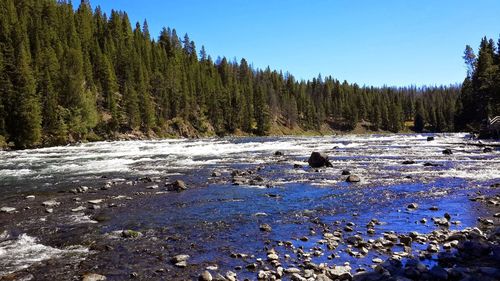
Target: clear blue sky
x=372, y=42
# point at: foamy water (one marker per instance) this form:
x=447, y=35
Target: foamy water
x=24, y=251
x=42, y=168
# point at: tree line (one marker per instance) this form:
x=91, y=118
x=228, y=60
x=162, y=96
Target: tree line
x=480, y=95
x=71, y=74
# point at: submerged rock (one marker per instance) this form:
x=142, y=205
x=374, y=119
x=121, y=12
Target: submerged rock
x=430, y=138
x=318, y=160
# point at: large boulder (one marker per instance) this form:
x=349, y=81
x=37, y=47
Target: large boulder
x=318, y=160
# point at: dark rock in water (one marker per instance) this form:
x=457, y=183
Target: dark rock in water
x=278, y=153
x=177, y=185
x=216, y=174
x=413, y=206
x=146, y=179
x=447, y=216
x=353, y=178
x=297, y=166
x=434, y=208
x=408, y=162
x=265, y=227
x=406, y=240
x=447, y=151
x=428, y=164
x=487, y=150
x=346, y=172
x=430, y=138
x=318, y=160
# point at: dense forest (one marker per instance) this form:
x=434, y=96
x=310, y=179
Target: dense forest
x=480, y=97
x=72, y=73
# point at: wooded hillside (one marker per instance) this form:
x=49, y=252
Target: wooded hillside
x=71, y=74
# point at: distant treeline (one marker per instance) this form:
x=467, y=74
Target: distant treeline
x=68, y=75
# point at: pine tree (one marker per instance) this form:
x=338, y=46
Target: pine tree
x=27, y=127
x=419, y=122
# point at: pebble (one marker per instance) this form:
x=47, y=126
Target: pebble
x=292, y=270
x=51, y=203
x=180, y=258
x=49, y=210
x=93, y=277
x=272, y=257
x=30, y=197
x=78, y=209
x=96, y=201
x=8, y=210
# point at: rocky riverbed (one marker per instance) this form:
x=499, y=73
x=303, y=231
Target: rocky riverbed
x=397, y=207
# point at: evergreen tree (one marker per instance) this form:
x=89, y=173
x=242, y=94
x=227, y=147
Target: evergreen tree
x=27, y=122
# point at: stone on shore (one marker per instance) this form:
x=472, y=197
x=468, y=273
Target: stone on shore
x=205, y=276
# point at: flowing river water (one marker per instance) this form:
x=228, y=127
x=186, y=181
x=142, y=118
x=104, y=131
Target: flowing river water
x=214, y=220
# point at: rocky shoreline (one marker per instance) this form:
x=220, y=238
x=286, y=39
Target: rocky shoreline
x=87, y=215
